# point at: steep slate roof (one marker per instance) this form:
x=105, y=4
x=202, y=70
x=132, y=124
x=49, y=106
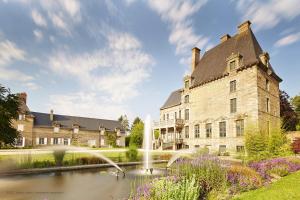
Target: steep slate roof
x=65, y=121
x=173, y=100
x=213, y=63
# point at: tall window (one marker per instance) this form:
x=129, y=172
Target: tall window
x=240, y=149
x=268, y=105
x=233, y=86
x=186, y=132
x=267, y=85
x=179, y=114
x=240, y=127
x=197, y=131
x=186, y=99
x=232, y=65
x=56, y=129
x=167, y=116
x=164, y=117
x=186, y=114
x=175, y=115
x=233, y=105
x=222, y=129
x=208, y=130
x=42, y=141
x=222, y=148
x=186, y=84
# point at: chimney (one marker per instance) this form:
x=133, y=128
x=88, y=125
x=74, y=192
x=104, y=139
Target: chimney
x=195, y=57
x=225, y=38
x=23, y=97
x=51, y=115
x=264, y=57
x=244, y=26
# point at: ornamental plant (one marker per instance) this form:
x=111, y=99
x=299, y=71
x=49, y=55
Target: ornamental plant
x=242, y=178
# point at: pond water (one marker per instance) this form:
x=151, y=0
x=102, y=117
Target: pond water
x=96, y=184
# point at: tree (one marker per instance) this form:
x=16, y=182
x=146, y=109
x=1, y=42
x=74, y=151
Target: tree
x=296, y=104
x=136, y=136
x=9, y=108
x=156, y=134
x=288, y=115
x=111, y=138
x=136, y=121
x=124, y=122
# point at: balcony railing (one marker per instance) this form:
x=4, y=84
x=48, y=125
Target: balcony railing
x=169, y=123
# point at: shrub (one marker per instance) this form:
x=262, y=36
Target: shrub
x=243, y=178
x=127, y=141
x=132, y=153
x=169, y=188
x=207, y=170
x=136, y=136
x=59, y=155
x=278, y=166
x=256, y=144
x=278, y=144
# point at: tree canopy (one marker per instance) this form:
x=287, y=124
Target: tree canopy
x=288, y=116
x=136, y=121
x=9, y=107
x=124, y=122
x=136, y=136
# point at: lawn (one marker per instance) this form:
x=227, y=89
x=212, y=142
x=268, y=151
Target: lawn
x=286, y=188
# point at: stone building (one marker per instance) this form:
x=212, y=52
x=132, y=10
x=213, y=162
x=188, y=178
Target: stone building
x=41, y=129
x=231, y=87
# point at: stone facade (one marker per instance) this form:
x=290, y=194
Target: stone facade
x=216, y=113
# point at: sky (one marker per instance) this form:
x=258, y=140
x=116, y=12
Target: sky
x=106, y=58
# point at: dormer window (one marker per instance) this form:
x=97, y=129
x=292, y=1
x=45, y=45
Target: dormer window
x=56, y=129
x=232, y=65
x=76, y=130
x=186, y=84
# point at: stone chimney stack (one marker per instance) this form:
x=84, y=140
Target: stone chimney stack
x=225, y=38
x=23, y=97
x=51, y=115
x=195, y=57
x=244, y=26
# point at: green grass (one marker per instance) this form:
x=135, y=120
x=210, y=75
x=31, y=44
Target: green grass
x=286, y=188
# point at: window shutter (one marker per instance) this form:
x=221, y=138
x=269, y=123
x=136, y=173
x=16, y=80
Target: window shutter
x=37, y=141
x=23, y=142
x=59, y=141
x=69, y=141
x=45, y=141
x=51, y=141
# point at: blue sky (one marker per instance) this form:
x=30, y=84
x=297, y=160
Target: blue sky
x=107, y=58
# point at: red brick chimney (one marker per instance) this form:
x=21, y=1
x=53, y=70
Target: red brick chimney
x=23, y=97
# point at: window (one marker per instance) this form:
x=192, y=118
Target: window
x=179, y=114
x=222, y=129
x=66, y=141
x=197, y=131
x=233, y=86
x=232, y=65
x=222, y=148
x=41, y=140
x=186, y=84
x=21, y=117
x=267, y=85
x=91, y=143
x=20, y=141
x=56, y=129
x=268, y=105
x=164, y=117
x=175, y=115
x=186, y=132
x=240, y=149
x=55, y=140
x=208, y=130
x=76, y=130
x=20, y=127
x=197, y=146
x=240, y=127
x=186, y=146
x=233, y=105
x=186, y=99
x=167, y=116
x=186, y=114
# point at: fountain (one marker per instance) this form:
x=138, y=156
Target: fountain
x=147, y=144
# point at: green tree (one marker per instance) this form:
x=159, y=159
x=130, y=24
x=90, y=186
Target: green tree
x=136, y=136
x=136, y=121
x=278, y=144
x=111, y=138
x=296, y=104
x=156, y=134
x=288, y=115
x=9, y=107
x=124, y=122
x=256, y=143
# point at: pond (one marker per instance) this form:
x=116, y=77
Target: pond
x=93, y=184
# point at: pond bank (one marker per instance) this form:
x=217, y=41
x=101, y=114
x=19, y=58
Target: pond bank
x=70, y=168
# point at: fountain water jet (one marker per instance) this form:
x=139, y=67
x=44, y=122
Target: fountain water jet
x=147, y=144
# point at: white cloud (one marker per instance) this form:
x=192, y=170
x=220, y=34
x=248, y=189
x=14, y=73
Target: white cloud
x=32, y=86
x=115, y=71
x=87, y=104
x=14, y=75
x=287, y=40
x=178, y=14
x=59, y=23
x=267, y=14
x=38, y=18
x=38, y=35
